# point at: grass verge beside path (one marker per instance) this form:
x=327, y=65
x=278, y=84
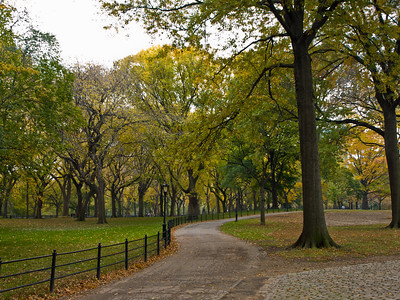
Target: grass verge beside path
x=21, y=238
x=281, y=231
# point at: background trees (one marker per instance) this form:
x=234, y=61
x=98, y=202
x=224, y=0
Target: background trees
x=219, y=127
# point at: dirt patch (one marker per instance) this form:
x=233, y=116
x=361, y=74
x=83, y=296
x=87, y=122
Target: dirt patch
x=359, y=217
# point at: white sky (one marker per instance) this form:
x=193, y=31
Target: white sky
x=78, y=27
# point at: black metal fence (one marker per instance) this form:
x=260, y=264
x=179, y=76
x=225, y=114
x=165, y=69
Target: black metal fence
x=62, y=265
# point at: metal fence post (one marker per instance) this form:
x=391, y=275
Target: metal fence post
x=98, y=260
x=169, y=236
x=158, y=243
x=145, y=248
x=53, y=270
x=126, y=254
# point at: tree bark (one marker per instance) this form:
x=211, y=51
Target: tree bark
x=393, y=161
x=66, y=192
x=39, y=205
x=101, y=204
x=315, y=232
x=141, y=203
x=194, y=208
x=80, y=211
x=113, y=201
x=364, y=203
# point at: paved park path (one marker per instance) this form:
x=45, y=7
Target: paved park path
x=213, y=265
x=208, y=265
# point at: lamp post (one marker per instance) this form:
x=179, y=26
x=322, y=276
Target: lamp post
x=164, y=191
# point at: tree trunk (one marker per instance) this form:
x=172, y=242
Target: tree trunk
x=66, y=192
x=119, y=202
x=174, y=194
x=274, y=193
x=141, y=203
x=364, y=203
x=39, y=205
x=113, y=202
x=194, y=208
x=101, y=204
x=315, y=232
x=255, y=200
x=393, y=161
x=80, y=211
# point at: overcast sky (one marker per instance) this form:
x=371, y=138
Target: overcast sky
x=78, y=26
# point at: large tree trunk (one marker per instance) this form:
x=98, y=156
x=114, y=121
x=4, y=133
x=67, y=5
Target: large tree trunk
x=274, y=193
x=39, y=205
x=119, y=202
x=315, y=233
x=194, y=208
x=66, y=192
x=393, y=161
x=141, y=194
x=174, y=194
x=101, y=204
x=113, y=202
x=80, y=211
x=364, y=203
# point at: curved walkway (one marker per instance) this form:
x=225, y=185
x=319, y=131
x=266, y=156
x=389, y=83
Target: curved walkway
x=213, y=265
x=208, y=265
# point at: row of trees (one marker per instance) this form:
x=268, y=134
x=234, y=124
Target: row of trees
x=225, y=128
x=318, y=40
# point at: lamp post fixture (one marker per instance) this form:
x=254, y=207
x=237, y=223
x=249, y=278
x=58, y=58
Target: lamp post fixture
x=164, y=191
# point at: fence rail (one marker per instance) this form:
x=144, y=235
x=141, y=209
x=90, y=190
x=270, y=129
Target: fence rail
x=66, y=264
x=62, y=265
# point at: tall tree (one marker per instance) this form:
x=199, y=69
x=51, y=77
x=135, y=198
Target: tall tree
x=372, y=39
x=366, y=161
x=168, y=83
x=300, y=21
x=35, y=93
x=99, y=93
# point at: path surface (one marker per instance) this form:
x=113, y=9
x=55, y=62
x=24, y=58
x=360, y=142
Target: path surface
x=213, y=265
x=208, y=265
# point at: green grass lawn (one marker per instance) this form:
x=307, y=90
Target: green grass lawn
x=20, y=238
x=280, y=232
